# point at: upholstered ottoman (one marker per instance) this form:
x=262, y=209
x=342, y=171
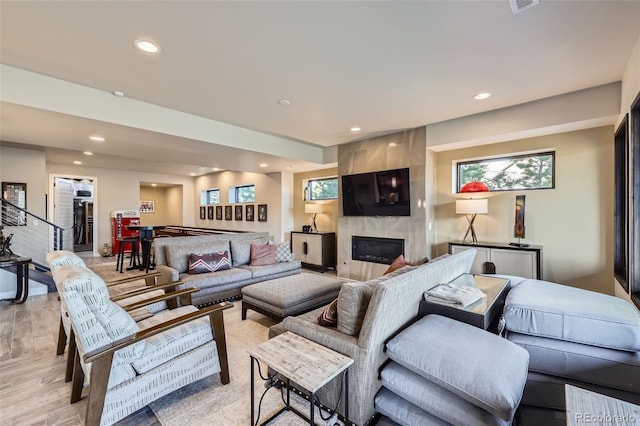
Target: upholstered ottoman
x=291, y=295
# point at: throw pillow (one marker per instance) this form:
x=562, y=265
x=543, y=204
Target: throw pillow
x=329, y=316
x=398, y=263
x=283, y=252
x=263, y=255
x=209, y=262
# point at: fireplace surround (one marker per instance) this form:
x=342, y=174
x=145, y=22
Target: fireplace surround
x=376, y=249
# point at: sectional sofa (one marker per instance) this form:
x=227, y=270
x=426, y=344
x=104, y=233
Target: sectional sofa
x=223, y=284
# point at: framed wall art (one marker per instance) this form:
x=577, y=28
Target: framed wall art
x=210, y=212
x=238, y=212
x=16, y=194
x=218, y=212
x=262, y=212
x=249, y=209
x=228, y=213
x=147, y=206
x=203, y=212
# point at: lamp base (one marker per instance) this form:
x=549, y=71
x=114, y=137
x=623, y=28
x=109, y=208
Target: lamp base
x=470, y=230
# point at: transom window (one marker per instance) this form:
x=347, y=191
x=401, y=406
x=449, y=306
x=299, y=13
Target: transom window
x=515, y=172
x=212, y=196
x=242, y=194
x=322, y=189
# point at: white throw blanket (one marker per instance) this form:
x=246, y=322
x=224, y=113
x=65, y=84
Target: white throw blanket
x=452, y=294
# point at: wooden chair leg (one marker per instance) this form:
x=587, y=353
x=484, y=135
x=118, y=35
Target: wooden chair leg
x=217, y=321
x=62, y=339
x=100, y=371
x=78, y=377
x=71, y=359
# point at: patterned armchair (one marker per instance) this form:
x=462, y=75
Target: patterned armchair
x=129, y=364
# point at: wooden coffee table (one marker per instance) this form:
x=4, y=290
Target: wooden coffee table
x=308, y=364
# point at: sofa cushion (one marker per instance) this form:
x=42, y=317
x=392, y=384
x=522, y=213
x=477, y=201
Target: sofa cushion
x=591, y=364
x=402, y=412
x=209, y=262
x=478, y=366
x=545, y=309
x=178, y=255
x=353, y=301
x=262, y=255
x=214, y=279
x=435, y=399
x=265, y=271
x=283, y=252
x=241, y=250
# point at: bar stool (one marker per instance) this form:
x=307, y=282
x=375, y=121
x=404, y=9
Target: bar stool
x=135, y=254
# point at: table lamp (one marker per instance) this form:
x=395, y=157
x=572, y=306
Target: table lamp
x=313, y=209
x=471, y=207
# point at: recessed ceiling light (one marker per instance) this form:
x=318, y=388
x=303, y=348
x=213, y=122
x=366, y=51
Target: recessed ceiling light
x=192, y=174
x=88, y=153
x=284, y=102
x=77, y=163
x=147, y=46
x=263, y=165
x=393, y=144
x=154, y=184
x=216, y=169
x=482, y=95
x=96, y=138
x=355, y=129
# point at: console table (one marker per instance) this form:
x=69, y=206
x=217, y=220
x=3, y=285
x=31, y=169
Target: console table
x=509, y=260
x=304, y=362
x=22, y=276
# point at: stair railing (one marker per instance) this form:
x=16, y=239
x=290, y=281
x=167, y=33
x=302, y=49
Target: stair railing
x=33, y=236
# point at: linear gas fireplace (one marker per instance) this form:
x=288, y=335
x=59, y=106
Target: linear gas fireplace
x=377, y=250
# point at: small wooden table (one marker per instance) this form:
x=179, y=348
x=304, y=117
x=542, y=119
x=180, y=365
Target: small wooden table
x=587, y=407
x=481, y=313
x=304, y=362
x=146, y=235
x=22, y=276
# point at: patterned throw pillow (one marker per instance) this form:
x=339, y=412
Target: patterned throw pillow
x=283, y=252
x=263, y=255
x=209, y=262
x=329, y=317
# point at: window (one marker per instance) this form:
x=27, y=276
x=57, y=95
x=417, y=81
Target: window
x=213, y=196
x=322, y=189
x=621, y=206
x=515, y=172
x=242, y=194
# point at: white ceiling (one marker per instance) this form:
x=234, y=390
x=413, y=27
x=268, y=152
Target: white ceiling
x=380, y=65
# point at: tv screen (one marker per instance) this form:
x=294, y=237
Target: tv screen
x=384, y=193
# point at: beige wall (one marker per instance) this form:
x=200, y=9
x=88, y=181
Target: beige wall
x=27, y=166
x=271, y=189
x=573, y=222
x=168, y=205
x=327, y=221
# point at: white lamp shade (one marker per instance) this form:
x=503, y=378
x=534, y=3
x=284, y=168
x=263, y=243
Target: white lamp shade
x=312, y=208
x=478, y=206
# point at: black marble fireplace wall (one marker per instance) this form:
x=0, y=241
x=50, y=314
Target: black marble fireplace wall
x=377, y=250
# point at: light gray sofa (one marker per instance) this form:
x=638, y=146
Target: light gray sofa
x=221, y=285
x=369, y=314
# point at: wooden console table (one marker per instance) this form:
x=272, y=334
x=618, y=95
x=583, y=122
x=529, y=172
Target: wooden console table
x=22, y=276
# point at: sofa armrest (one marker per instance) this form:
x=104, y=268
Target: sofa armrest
x=328, y=337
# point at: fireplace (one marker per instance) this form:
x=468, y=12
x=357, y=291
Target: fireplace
x=376, y=250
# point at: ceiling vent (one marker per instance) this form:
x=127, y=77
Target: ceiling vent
x=518, y=6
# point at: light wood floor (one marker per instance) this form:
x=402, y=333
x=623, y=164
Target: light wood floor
x=32, y=387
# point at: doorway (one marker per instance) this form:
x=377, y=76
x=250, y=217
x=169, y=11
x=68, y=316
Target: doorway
x=73, y=207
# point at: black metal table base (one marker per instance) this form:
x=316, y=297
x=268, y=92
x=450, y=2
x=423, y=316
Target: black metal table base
x=22, y=277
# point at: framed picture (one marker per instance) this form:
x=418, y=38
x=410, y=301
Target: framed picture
x=262, y=212
x=203, y=212
x=218, y=212
x=210, y=212
x=147, y=207
x=16, y=194
x=249, y=213
x=238, y=212
x=228, y=213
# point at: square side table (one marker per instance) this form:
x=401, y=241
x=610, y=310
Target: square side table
x=307, y=363
x=479, y=314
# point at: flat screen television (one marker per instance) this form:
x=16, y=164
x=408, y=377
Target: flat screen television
x=384, y=193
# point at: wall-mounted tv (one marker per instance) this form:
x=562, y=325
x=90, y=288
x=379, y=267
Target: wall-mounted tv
x=384, y=193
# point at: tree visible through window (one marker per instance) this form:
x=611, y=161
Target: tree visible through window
x=323, y=189
x=530, y=171
x=213, y=196
x=245, y=194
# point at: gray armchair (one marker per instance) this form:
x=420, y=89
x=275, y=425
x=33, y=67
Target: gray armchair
x=129, y=364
